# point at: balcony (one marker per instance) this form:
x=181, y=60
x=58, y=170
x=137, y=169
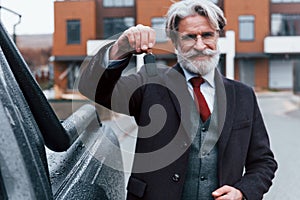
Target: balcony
x=282, y=44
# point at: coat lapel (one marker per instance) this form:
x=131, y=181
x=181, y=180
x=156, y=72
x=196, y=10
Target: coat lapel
x=184, y=104
x=182, y=100
x=226, y=100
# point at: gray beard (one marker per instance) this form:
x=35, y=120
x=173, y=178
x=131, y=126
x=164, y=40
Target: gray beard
x=198, y=67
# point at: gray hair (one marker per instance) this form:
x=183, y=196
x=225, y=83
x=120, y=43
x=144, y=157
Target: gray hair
x=185, y=8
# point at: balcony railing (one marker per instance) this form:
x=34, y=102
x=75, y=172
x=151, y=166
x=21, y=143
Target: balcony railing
x=282, y=44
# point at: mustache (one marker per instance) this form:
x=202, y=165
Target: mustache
x=205, y=52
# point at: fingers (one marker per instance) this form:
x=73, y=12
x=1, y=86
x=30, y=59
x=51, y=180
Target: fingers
x=227, y=193
x=140, y=38
x=137, y=39
x=221, y=191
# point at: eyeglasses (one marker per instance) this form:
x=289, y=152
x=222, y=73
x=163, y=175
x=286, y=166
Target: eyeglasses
x=191, y=39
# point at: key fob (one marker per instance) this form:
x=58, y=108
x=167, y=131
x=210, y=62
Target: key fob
x=149, y=58
x=149, y=61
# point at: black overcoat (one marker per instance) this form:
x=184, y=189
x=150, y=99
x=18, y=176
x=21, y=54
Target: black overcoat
x=161, y=106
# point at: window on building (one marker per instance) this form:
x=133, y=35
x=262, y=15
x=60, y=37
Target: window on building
x=158, y=24
x=246, y=27
x=285, y=1
x=113, y=26
x=118, y=3
x=285, y=25
x=73, y=31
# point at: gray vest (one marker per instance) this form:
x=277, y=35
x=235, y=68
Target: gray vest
x=201, y=178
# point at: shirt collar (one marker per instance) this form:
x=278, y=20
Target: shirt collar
x=209, y=77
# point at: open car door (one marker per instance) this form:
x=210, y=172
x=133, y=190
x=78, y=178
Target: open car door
x=42, y=157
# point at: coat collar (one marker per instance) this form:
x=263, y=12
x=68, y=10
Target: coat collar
x=209, y=77
x=181, y=99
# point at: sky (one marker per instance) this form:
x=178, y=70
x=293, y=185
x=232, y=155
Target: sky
x=37, y=16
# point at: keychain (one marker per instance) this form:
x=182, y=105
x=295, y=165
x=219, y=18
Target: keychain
x=150, y=63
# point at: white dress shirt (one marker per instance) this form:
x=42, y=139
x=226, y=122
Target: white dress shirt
x=207, y=88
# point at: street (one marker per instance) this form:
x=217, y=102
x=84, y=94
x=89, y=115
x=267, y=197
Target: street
x=282, y=118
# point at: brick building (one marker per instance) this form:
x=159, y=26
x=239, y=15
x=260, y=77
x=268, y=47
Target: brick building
x=265, y=34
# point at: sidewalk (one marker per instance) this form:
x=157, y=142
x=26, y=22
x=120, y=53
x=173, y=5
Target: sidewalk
x=295, y=98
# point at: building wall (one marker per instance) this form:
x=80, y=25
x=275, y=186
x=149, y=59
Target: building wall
x=85, y=11
x=288, y=8
x=145, y=11
x=252, y=50
x=261, y=10
x=92, y=14
x=67, y=10
x=261, y=74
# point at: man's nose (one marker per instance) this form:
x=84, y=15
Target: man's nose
x=199, y=45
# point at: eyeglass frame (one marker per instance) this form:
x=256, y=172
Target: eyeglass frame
x=207, y=37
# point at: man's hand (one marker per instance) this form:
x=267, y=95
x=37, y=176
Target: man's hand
x=227, y=193
x=137, y=39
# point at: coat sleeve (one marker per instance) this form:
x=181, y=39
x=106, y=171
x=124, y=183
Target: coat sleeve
x=260, y=164
x=93, y=71
x=106, y=85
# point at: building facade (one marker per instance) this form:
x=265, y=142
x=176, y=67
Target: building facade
x=76, y=23
x=282, y=45
x=266, y=34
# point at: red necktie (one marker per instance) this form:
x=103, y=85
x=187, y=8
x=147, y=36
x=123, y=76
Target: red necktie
x=199, y=98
